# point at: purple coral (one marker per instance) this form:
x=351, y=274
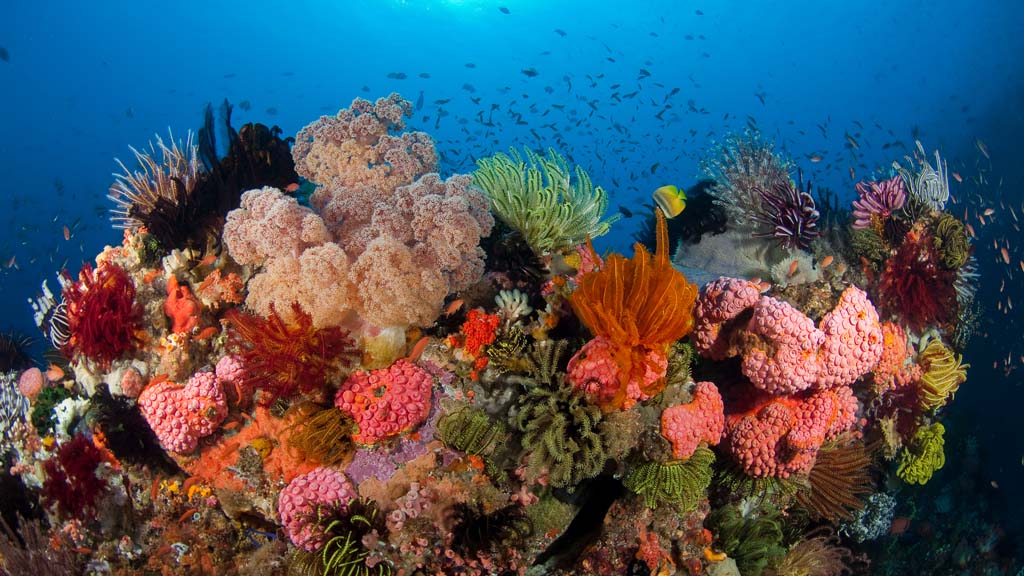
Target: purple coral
x=787, y=214
x=878, y=200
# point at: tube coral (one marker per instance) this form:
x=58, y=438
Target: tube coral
x=282, y=359
x=640, y=305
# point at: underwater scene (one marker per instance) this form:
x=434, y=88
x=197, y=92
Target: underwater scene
x=512, y=287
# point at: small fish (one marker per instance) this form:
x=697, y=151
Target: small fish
x=67, y=232
x=504, y=10
x=12, y=263
x=956, y=176
x=530, y=72
x=1006, y=255
x=989, y=211
x=626, y=212
x=292, y=187
x=793, y=267
x=271, y=111
x=671, y=199
x=245, y=105
x=982, y=147
x=826, y=262
x=417, y=349
x=970, y=229
x=815, y=158
x=560, y=32
x=699, y=13
x=454, y=307
x=469, y=65
x=424, y=75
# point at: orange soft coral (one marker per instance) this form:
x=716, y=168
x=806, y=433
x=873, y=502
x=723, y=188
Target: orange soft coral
x=181, y=306
x=640, y=305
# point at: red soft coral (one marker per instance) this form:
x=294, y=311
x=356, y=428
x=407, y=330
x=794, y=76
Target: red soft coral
x=284, y=358
x=103, y=319
x=914, y=287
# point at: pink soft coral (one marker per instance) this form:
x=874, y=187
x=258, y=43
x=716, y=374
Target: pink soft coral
x=270, y=224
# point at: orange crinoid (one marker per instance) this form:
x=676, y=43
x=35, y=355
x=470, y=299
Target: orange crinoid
x=640, y=304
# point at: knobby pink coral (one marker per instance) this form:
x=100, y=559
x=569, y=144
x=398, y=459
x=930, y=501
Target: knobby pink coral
x=387, y=401
x=702, y=420
x=181, y=415
x=300, y=502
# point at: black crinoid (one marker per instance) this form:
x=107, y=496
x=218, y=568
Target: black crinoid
x=14, y=351
x=787, y=214
x=181, y=192
x=126, y=431
x=509, y=255
x=475, y=531
x=702, y=216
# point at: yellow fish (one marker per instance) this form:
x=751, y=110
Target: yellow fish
x=671, y=200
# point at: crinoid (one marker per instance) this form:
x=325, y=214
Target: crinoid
x=474, y=530
x=838, y=482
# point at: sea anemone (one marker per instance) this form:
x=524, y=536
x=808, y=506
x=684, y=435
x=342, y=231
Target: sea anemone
x=103, y=317
x=878, y=201
x=915, y=287
x=787, y=214
x=282, y=359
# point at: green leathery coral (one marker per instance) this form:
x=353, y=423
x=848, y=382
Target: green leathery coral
x=924, y=456
x=538, y=197
x=951, y=242
x=561, y=434
x=679, y=482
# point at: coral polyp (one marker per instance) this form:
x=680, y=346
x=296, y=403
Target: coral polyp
x=102, y=316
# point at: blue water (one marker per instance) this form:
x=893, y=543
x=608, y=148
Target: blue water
x=84, y=81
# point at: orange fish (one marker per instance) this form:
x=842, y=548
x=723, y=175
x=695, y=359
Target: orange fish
x=1022, y=265
x=989, y=211
x=956, y=176
x=454, y=307
x=54, y=373
x=970, y=229
x=292, y=187
x=826, y=261
x=67, y=233
x=815, y=159
x=1006, y=255
x=417, y=349
x=210, y=259
x=208, y=332
x=793, y=266
x=188, y=514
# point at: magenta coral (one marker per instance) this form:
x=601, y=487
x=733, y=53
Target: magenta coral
x=878, y=200
x=386, y=402
x=302, y=499
x=782, y=351
x=268, y=224
x=595, y=370
x=181, y=415
x=702, y=420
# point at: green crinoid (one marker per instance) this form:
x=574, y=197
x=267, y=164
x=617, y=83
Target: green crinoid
x=343, y=554
x=561, y=434
x=538, y=197
x=682, y=483
x=470, y=431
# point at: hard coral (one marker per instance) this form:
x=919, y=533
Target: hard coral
x=640, y=305
x=702, y=420
x=386, y=402
x=181, y=415
x=102, y=316
x=282, y=359
x=300, y=501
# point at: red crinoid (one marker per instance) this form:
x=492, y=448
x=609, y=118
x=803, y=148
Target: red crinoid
x=71, y=482
x=282, y=359
x=103, y=319
x=914, y=287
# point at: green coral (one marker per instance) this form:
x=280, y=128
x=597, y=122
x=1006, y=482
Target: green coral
x=951, y=241
x=755, y=542
x=561, y=434
x=924, y=455
x=42, y=412
x=470, y=431
x=680, y=482
x=538, y=197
